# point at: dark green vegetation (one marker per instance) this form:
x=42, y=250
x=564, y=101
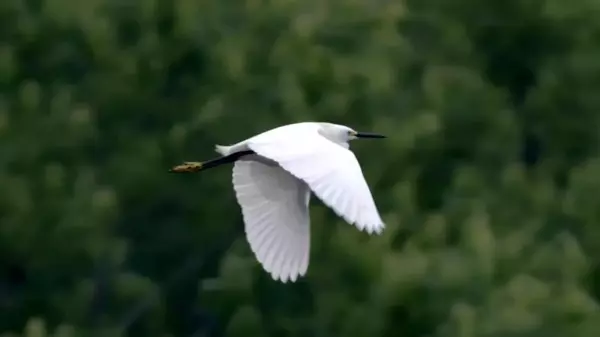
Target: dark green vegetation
x=489, y=179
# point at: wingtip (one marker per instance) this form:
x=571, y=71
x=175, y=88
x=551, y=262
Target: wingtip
x=371, y=229
x=378, y=230
x=283, y=278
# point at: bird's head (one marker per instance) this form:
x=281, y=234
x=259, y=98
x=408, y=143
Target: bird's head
x=343, y=134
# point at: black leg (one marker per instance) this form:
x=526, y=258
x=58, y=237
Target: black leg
x=189, y=167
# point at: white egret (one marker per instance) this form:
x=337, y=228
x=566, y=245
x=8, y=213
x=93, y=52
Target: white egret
x=273, y=175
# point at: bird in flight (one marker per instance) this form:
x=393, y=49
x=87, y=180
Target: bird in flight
x=273, y=175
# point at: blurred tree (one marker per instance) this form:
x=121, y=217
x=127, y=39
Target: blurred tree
x=488, y=181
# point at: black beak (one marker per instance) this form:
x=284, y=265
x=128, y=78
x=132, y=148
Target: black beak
x=368, y=135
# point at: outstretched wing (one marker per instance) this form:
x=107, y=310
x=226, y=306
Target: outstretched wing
x=275, y=209
x=330, y=170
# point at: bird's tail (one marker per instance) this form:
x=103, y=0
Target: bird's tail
x=222, y=149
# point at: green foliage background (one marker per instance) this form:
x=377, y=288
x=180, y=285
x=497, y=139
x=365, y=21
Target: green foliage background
x=488, y=182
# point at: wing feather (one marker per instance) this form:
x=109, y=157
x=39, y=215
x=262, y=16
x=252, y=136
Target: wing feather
x=331, y=171
x=276, y=220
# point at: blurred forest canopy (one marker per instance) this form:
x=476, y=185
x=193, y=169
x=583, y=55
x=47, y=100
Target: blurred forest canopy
x=489, y=181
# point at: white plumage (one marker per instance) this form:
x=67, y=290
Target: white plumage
x=274, y=183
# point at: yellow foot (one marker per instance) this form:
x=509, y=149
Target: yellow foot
x=187, y=167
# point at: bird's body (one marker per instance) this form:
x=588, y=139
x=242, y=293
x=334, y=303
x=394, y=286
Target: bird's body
x=273, y=175
x=297, y=132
